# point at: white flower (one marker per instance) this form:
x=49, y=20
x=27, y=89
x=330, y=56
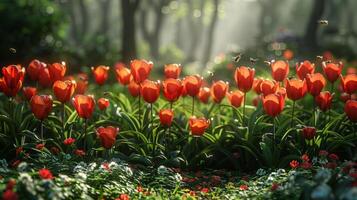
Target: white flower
x=162, y=170
x=81, y=176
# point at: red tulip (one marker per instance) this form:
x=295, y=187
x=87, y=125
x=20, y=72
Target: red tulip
x=82, y=83
x=198, y=126
x=172, y=89
x=134, y=89
x=11, y=82
x=192, y=84
x=34, y=68
x=244, y=77
x=304, y=68
x=172, y=71
x=351, y=70
x=84, y=105
x=282, y=91
x=351, y=110
x=100, y=74
x=69, y=141
x=268, y=87
x=123, y=74
x=236, y=98
x=44, y=77
x=150, y=91
x=103, y=103
x=166, y=116
x=63, y=90
x=29, y=92
x=256, y=100
x=273, y=104
x=107, y=136
x=332, y=70
x=324, y=100
x=41, y=106
x=296, y=89
x=57, y=71
x=279, y=70
x=219, y=90
x=256, y=85
x=309, y=133
x=345, y=97
x=349, y=83
x=140, y=70
x=45, y=174
x=204, y=94
x=315, y=83
x=288, y=54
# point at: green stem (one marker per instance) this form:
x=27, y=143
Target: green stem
x=274, y=130
x=152, y=115
x=171, y=104
x=244, y=101
x=41, y=124
x=193, y=105
x=63, y=115
x=292, y=115
x=85, y=134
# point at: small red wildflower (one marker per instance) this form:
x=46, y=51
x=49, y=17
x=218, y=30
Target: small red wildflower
x=333, y=156
x=19, y=150
x=306, y=165
x=274, y=186
x=69, y=141
x=123, y=197
x=55, y=150
x=205, y=190
x=15, y=163
x=243, y=187
x=9, y=195
x=139, y=188
x=192, y=193
x=40, y=146
x=45, y=174
x=294, y=164
x=305, y=158
x=10, y=184
x=80, y=152
x=106, y=166
x=323, y=153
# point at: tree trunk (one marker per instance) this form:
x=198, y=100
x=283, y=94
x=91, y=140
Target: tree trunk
x=210, y=36
x=105, y=11
x=84, y=17
x=128, y=10
x=310, y=38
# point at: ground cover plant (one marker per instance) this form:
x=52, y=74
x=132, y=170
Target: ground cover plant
x=290, y=133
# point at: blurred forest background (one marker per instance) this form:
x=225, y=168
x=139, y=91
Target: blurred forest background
x=194, y=33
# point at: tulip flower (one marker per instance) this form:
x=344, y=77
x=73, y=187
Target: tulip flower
x=308, y=133
x=244, y=77
x=349, y=83
x=29, y=92
x=63, y=90
x=100, y=74
x=198, y=126
x=150, y=91
x=273, y=105
x=324, y=100
x=41, y=106
x=107, y=136
x=345, y=97
x=351, y=110
x=315, y=83
x=172, y=89
x=84, y=105
x=11, y=82
x=123, y=74
x=288, y=54
x=166, y=117
x=103, y=103
x=82, y=83
x=351, y=70
x=304, y=68
x=282, y=91
x=236, y=98
x=192, y=85
x=44, y=77
x=34, y=68
x=134, y=89
x=219, y=90
x=256, y=85
x=140, y=70
x=295, y=90
x=172, y=71
x=268, y=87
x=332, y=71
x=204, y=94
x=279, y=70
x=256, y=100
x=57, y=71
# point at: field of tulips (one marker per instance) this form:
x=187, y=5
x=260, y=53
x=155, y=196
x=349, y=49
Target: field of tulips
x=276, y=131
